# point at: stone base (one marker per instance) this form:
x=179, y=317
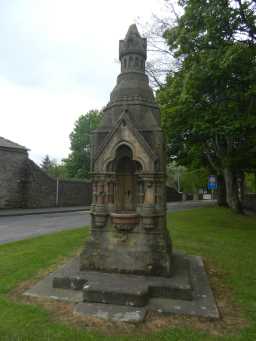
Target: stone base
x=111, y=312
x=124, y=289
x=129, y=297
x=136, y=252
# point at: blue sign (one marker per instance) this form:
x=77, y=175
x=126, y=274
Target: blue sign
x=212, y=182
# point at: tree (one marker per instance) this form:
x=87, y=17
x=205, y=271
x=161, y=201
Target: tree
x=174, y=173
x=77, y=164
x=46, y=163
x=160, y=57
x=208, y=104
x=53, y=168
x=58, y=170
x=186, y=180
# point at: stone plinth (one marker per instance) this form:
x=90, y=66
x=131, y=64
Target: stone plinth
x=131, y=290
x=128, y=298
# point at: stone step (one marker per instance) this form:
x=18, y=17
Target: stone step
x=202, y=303
x=124, y=289
x=111, y=312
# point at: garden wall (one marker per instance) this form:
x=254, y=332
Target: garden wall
x=45, y=191
x=12, y=174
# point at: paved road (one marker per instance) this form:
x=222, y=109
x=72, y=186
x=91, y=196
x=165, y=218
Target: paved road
x=22, y=227
x=187, y=205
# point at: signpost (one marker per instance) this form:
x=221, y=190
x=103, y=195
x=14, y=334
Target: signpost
x=212, y=183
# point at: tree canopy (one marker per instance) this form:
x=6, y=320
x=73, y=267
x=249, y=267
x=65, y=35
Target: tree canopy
x=53, y=168
x=208, y=104
x=77, y=164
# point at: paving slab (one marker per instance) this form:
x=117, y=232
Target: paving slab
x=45, y=289
x=111, y=312
x=124, y=289
x=201, y=304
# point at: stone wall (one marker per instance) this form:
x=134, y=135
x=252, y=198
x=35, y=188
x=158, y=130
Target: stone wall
x=75, y=193
x=41, y=190
x=25, y=185
x=12, y=174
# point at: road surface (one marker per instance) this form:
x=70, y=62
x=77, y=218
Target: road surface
x=14, y=228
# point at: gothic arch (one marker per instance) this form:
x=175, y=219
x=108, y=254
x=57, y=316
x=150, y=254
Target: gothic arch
x=113, y=152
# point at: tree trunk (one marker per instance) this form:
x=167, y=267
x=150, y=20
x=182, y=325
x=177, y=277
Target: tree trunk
x=221, y=191
x=232, y=192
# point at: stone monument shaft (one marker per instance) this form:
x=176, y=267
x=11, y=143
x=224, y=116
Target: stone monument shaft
x=128, y=229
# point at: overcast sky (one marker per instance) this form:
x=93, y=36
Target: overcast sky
x=59, y=59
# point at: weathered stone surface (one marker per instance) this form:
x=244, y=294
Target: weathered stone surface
x=201, y=304
x=25, y=185
x=131, y=290
x=128, y=261
x=13, y=159
x=111, y=312
x=128, y=169
x=40, y=190
x=45, y=289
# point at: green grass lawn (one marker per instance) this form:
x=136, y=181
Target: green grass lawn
x=226, y=241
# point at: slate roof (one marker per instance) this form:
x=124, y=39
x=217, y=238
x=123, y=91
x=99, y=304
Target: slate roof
x=7, y=144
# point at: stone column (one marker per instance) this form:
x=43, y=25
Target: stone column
x=101, y=194
x=99, y=211
x=160, y=193
x=148, y=207
x=94, y=193
x=110, y=192
x=149, y=198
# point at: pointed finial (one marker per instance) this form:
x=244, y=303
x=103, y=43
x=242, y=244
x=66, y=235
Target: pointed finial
x=133, y=43
x=132, y=31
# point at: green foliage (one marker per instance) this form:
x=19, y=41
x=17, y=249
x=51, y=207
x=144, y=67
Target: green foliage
x=250, y=182
x=58, y=170
x=193, y=180
x=186, y=180
x=208, y=108
x=46, y=163
x=53, y=168
x=174, y=172
x=208, y=105
x=77, y=164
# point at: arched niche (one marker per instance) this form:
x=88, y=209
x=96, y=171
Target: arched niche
x=110, y=162
x=125, y=168
x=124, y=134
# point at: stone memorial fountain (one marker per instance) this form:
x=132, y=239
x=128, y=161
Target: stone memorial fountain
x=128, y=267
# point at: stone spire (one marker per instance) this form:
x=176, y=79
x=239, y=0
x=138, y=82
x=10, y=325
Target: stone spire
x=132, y=82
x=129, y=232
x=133, y=51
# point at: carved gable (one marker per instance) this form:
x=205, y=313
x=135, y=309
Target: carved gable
x=124, y=133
